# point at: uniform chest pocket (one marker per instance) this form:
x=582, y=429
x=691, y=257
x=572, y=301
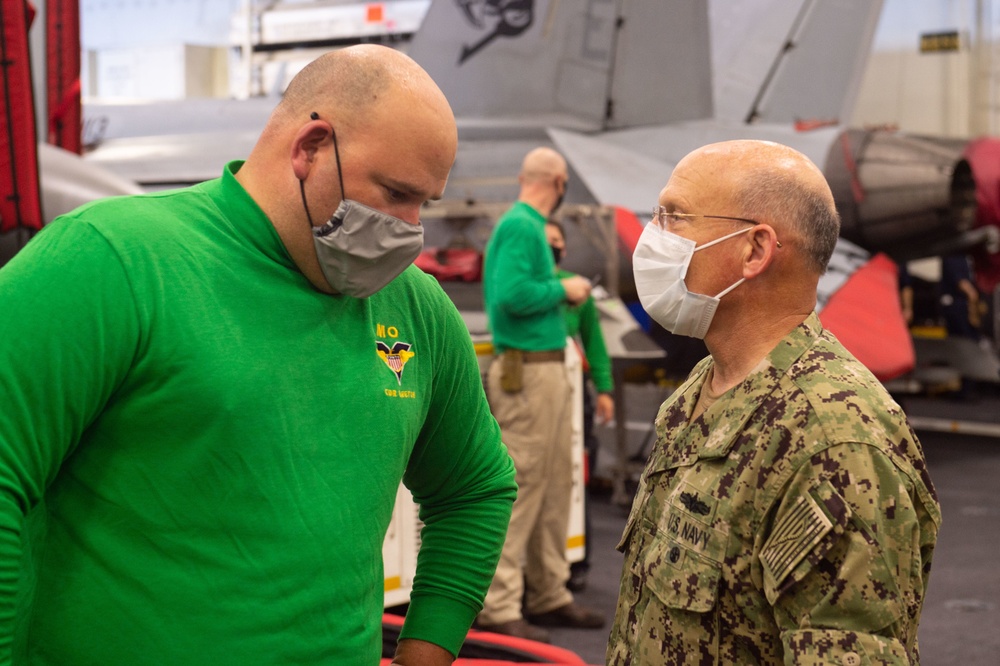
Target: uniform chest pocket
x=676, y=575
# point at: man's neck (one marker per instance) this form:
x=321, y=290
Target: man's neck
x=736, y=355
x=538, y=202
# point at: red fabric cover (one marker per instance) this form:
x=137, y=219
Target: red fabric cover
x=452, y=264
x=62, y=46
x=866, y=317
x=983, y=156
x=20, y=197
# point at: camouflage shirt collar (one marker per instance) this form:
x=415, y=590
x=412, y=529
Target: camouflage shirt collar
x=793, y=345
x=712, y=434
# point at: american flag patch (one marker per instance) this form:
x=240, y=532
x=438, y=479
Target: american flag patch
x=793, y=537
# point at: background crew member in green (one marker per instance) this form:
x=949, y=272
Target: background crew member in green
x=583, y=324
x=530, y=395
x=210, y=397
x=785, y=515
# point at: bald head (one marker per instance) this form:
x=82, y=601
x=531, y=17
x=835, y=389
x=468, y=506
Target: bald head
x=773, y=183
x=366, y=94
x=543, y=163
x=346, y=85
x=543, y=179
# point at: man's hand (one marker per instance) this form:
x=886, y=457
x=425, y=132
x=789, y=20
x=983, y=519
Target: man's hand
x=604, y=408
x=412, y=652
x=577, y=289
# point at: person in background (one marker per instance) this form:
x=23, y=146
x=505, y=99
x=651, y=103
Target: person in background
x=210, y=397
x=583, y=324
x=964, y=310
x=785, y=514
x=962, y=305
x=530, y=393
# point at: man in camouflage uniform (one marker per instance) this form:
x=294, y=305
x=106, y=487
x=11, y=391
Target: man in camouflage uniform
x=786, y=514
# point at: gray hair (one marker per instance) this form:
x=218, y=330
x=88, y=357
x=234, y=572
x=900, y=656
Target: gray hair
x=806, y=212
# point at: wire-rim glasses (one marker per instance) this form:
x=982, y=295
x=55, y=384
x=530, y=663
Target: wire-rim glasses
x=661, y=217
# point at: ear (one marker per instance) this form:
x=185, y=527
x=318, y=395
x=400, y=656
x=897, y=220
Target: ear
x=306, y=144
x=762, y=246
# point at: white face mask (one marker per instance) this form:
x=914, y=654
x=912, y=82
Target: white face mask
x=659, y=264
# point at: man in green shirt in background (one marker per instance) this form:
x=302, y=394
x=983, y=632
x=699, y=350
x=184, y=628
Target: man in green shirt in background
x=530, y=394
x=210, y=397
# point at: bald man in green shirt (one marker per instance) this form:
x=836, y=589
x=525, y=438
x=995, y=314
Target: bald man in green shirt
x=211, y=395
x=530, y=394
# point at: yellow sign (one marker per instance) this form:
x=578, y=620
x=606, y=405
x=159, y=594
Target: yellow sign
x=937, y=42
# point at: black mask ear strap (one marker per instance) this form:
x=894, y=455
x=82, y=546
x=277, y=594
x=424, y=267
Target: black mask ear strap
x=302, y=191
x=336, y=153
x=340, y=172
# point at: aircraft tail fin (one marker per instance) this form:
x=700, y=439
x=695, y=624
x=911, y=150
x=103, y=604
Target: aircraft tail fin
x=784, y=61
x=605, y=63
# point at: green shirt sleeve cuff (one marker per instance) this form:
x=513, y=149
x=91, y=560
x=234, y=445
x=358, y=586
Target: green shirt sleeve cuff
x=439, y=620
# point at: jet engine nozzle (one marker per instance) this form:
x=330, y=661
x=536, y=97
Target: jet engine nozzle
x=908, y=196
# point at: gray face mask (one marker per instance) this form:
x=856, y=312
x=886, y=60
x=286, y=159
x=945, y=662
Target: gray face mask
x=360, y=249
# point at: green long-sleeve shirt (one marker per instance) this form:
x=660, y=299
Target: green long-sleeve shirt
x=208, y=449
x=583, y=322
x=522, y=295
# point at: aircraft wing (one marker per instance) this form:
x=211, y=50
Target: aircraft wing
x=629, y=167
x=163, y=161
x=614, y=175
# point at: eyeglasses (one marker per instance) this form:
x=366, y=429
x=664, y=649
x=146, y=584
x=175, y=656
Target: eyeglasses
x=662, y=217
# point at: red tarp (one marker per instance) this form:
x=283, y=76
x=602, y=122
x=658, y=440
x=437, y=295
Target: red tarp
x=62, y=46
x=20, y=198
x=866, y=317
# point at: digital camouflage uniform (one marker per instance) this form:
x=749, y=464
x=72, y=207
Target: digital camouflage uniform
x=793, y=522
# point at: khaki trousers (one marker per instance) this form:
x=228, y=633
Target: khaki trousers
x=537, y=429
